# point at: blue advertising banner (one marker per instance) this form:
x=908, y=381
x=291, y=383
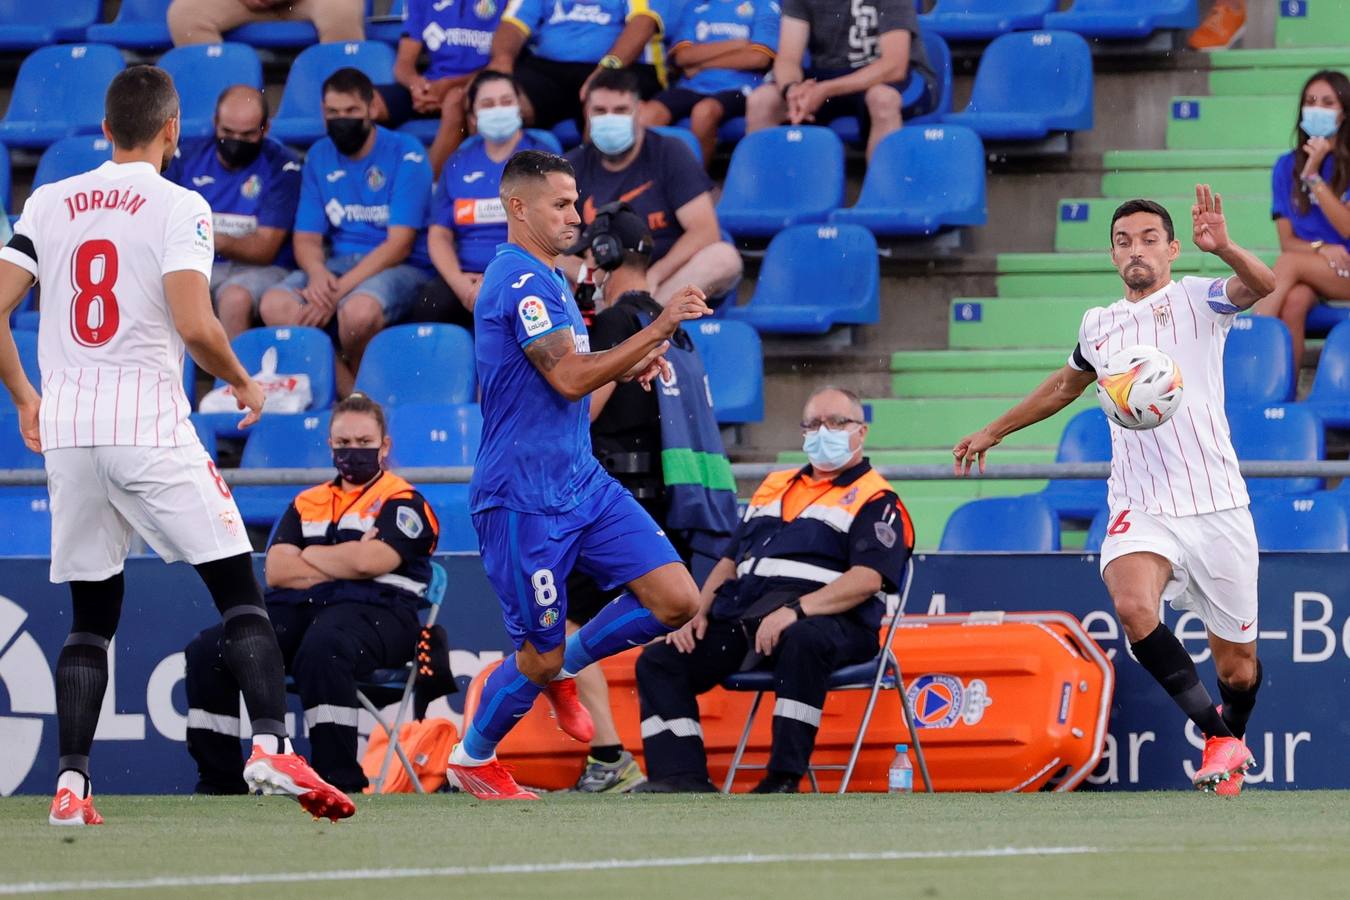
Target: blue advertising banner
x=1298, y=733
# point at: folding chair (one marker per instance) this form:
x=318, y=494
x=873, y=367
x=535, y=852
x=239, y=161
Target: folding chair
x=867, y=676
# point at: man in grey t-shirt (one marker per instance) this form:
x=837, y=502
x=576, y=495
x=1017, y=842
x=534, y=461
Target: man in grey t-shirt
x=864, y=54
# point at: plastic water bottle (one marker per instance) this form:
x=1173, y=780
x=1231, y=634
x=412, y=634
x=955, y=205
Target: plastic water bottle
x=900, y=778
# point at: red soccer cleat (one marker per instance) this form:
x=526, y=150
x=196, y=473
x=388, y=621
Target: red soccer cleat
x=68, y=809
x=289, y=774
x=572, y=717
x=1225, y=758
x=489, y=781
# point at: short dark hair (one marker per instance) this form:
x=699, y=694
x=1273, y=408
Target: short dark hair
x=139, y=102
x=1130, y=207
x=350, y=81
x=251, y=91
x=533, y=165
x=357, y=402
x=623, y=80
x=487, y=76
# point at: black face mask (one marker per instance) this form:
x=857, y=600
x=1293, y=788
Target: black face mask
x=348, y=134
x=358, y=465
x=237, y=154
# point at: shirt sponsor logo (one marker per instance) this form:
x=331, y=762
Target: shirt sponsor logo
x=354, y=212
x=234, y=225
x=251, y=188
x=408, y=522
x=589, y=13
x=375, y=178
x=534, y=316
x=479, y=212
x=436, y=37
x=721, y=31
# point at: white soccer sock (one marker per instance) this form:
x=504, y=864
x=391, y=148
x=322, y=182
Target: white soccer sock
x=273, y=743
x=460, y=757
x=75, y=782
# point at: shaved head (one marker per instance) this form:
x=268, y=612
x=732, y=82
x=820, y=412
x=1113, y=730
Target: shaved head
x=832, y=396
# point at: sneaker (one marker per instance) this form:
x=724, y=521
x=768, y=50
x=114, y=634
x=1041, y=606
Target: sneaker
x=572, y=717
x=289, y=774
x=68, y=809
x=610, y=778
x=776, y=783
x=1224, y=758
x=1223, y=27
x=678, y=784
x=489, y=781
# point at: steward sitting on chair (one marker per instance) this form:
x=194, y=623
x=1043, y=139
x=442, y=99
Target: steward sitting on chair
x=796, y=591
x=348, y=563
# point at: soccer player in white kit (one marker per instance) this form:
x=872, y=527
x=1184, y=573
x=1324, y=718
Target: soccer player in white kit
x=1180, y=529
x=123, y=257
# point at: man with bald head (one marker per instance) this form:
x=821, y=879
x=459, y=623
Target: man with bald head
x=253, y=185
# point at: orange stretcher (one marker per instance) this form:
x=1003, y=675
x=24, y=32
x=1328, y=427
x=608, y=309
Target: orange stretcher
x=1004, y=702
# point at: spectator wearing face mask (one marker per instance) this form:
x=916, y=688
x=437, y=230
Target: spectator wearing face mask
x=252, y=183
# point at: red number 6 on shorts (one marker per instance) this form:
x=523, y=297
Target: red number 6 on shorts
x=1120, y=524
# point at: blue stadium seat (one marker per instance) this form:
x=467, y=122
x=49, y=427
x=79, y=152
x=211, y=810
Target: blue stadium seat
x=420, y=363
x=59, y=92
x=206, y=433
x=682, y=134
x=1325, y=316
x=14, y=454
x=4, y=180
x=1124, y=19
x=299, y=441
x=435, y=434
x=299, y=120
x=815, y=277
x=27, y=342
x=734, y=362
x=1087, y=438
x=1289, y=432
x=388, y=27
x=567, y=133
x=982, y=20
x=279, y=34
x=939, y=56
x=1330, y=394
x=1002, y=525
x=25, y=523
x=780, y=177
x=140, y=25
x=1316, y=522
x=201, y=72
x=1258, y=362
x=1030, y=84
x=299, y=350
x=71, y=156
x=1097, y=531
x=921, y=180
x=25, y=25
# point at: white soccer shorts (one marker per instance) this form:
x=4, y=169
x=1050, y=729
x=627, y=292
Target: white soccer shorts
x=1214, y=563
x=172, y=496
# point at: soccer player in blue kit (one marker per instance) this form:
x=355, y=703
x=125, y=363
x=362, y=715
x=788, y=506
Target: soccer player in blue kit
x=541, y=502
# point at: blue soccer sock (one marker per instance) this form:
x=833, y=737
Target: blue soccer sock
x=507, y=695
x=623, y=623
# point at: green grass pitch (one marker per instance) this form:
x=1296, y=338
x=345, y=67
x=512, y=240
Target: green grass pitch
x=1089, y=845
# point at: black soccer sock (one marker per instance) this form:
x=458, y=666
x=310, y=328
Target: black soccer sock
x=82, y=669
x=249, y=646
x=1169, y=663
x=1238, y=704
x=607, y=753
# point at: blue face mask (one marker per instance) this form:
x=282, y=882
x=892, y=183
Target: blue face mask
x=612, y=134
x=498, y=123
x=827, y=450
x=1318, y=121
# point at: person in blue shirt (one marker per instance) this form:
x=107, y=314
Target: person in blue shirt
x=540, y=500
x=364, y=191
x=569, y=41
x=456, y=37
x=722, y=49
x=1310, y=203
x=253, y=185
x=467, y=218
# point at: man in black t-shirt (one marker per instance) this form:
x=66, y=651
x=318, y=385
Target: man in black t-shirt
x=661, y=180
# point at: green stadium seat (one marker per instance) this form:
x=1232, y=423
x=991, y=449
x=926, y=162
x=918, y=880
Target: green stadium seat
x=1312, y=23
x=933, y=423
x=1083, y=223
x=1015, y=322
x=1203, y=123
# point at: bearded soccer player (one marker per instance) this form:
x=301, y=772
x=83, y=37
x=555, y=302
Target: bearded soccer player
x=541, y=502
x=1180, y=526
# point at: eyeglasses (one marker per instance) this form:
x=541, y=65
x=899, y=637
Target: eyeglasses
x=833, y=423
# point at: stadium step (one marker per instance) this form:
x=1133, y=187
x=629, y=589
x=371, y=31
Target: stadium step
x=980, y=360
x=1253, y=121
x=1271, y=71
x=1083, y=223
x=940, y=422
x=1014, y=322
x=1312, y=23
x=994, y=383
x=1174, y=173
x=1076, y=275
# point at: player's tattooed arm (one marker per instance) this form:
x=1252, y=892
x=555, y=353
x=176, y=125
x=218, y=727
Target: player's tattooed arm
x=549, y=350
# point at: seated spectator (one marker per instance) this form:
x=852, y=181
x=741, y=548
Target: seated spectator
x=348, y=563
x=253, y=185
x=206, y=21
x=467, y=217
x=722, y=49
x=364, y=190
x=659, y=177
x=1223, y=27
x=570, y=42
x=796, y=592
x=1310, y=202
x=861, y=63
x=456, y=37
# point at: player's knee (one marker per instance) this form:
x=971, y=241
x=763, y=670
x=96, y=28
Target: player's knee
x=539, y=668
x=1237, y=671
x=1137, y=611
x=678, y=604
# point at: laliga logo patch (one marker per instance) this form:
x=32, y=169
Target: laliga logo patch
x=374, y=178
x=549, y=618
x=1218, y=297
x=203, y=229
x=939, y=700
x=27, y=680
x=251, y=188
x=534, y=316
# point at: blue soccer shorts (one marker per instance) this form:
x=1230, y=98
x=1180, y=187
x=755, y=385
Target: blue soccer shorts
x=528, y=557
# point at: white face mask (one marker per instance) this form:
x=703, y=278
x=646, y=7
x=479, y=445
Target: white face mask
x=828, y=450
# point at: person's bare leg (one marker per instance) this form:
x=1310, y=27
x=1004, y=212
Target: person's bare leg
x=883, y=107
x=714, y=269
x=234, y=308
x=360, y=318
x=335, y=20
x=652, y=113
x=450, y=134
x=280, y=306
x=764, y=108
x=206, y=21
x=704, y=121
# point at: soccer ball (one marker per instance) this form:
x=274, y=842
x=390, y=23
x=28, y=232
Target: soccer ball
x=1140, y=388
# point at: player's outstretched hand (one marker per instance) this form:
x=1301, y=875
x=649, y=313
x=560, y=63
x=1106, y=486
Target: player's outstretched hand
x=250, y=397
x=1210, y=229
x=970, y=449
x=29, y=429
x=684, y=638
x=688, y=303
x=651, y=367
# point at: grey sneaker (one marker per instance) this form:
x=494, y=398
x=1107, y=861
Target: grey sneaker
x=610, y=778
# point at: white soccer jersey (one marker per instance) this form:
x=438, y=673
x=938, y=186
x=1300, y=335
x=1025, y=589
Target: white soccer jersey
x=99, y=245
x=1187, y=465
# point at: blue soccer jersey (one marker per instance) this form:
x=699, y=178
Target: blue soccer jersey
x=581, y=30
x=353, y=202
x=710, y=21
x=468, y=201
x=262, y=194
x=535, y=455
x=456, y=33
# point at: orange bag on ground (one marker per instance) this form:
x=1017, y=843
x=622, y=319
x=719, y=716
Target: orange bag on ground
x=428, y=744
